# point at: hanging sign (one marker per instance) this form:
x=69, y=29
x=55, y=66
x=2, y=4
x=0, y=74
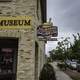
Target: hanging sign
x=17, y=22
x=47, y=32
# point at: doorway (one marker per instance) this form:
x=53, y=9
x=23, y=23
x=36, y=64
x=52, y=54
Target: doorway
x=8, y=58
x=36, y=60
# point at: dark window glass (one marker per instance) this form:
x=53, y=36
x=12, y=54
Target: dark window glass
x=5, y=0
x=6, y=60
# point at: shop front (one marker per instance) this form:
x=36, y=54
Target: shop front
x=16, y=48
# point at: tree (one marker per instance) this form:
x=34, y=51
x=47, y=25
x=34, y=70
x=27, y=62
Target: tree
x=66, y=50
x=61, y=51
x=76, y=47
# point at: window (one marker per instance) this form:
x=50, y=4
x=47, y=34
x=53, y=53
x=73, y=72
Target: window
x=5, y=0
x=8, y=58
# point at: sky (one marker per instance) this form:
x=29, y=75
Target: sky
x=66, y=15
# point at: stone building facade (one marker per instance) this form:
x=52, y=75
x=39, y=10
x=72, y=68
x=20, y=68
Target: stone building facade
x=29, y=50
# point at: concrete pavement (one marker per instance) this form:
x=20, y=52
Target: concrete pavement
x=60, y=75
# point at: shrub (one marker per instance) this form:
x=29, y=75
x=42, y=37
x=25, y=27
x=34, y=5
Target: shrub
x=47, y=73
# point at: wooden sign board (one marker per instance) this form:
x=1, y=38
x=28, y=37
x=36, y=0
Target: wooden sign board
x=51, y=31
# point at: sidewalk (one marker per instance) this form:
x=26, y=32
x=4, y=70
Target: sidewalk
x=60, y=75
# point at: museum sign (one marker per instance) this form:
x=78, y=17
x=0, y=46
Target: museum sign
x=17, y=22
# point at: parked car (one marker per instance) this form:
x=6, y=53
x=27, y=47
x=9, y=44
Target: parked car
x=73, y=65
x=78, y=66
x=68, y=62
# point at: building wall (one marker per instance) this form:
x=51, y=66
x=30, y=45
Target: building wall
x=41, y=50
x=27, y=38
x=41, y=56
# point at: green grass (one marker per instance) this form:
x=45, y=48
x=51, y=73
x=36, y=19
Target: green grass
x=75, y=78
